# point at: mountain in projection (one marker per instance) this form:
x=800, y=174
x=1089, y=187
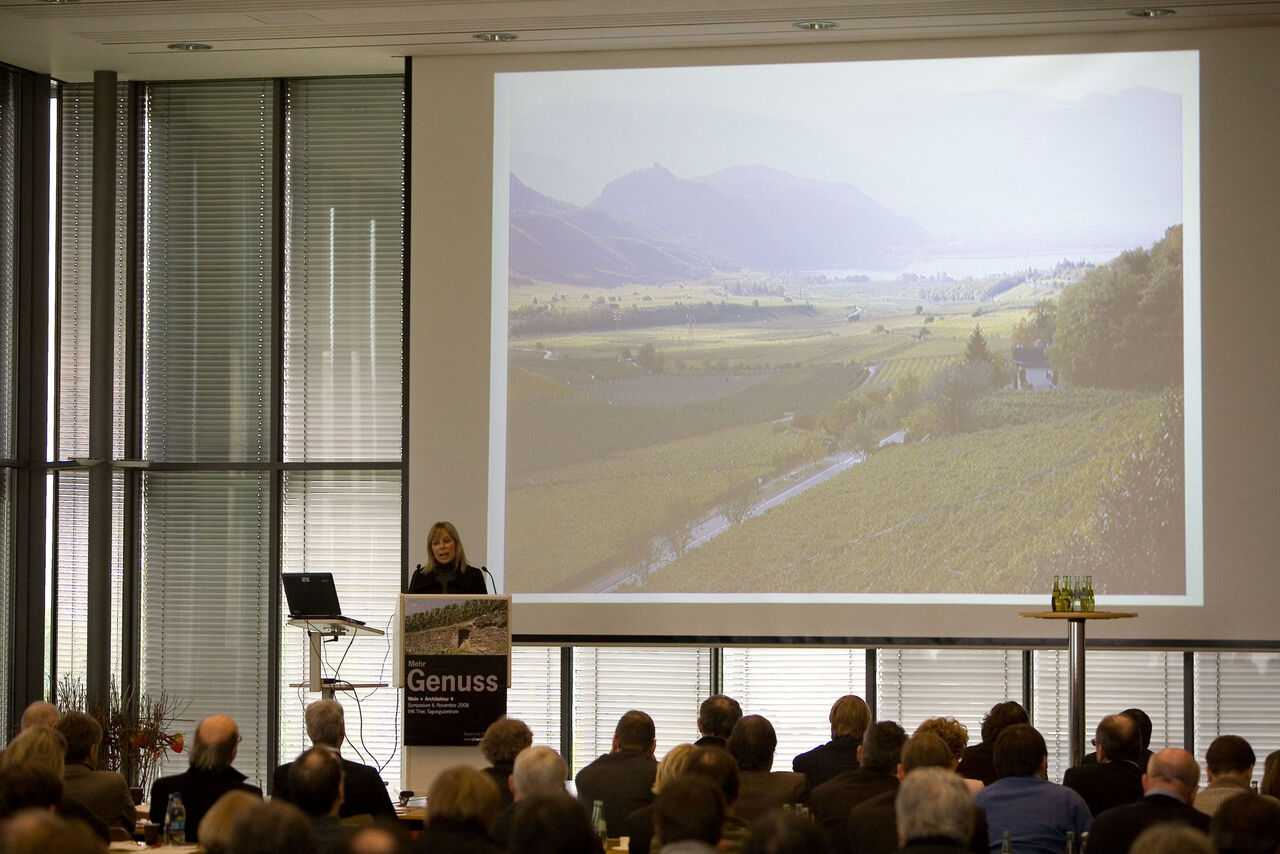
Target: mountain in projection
x=554, y=241
x=650, y=225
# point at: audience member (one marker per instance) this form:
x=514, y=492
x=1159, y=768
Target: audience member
x=1172, y=839
x=934, y=812
x=1168, y=788
x=462, y=804
x=1230, y=762
x=760, y=789
x=719, y=766
x=383, y=836
x=271, y=828
x=27, y=785
x=555, y=823
x=622, y=779
x=784, y=832
x=1248, y=823
x=501, y=744
x=956, y=736
x=1271, y=775
x=878, y=756
x=315, y=786
x=41, y=747
x=716, y=718
x=688, y=813
x=873, y=827
x=104, y=793
x=1143, y=720
x=1037, y=813
x=36, y=831
x=208, y=777
x=978, y=762
x=849, y=718
x=217, y=828
x=363, y=791
x=40, y=713
x=538, y=770
x=638, y=825
x=1115, y=778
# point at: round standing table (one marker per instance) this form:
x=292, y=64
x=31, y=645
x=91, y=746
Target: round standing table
x=1075, y=669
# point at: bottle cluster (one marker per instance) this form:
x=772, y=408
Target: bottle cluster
x=1072, y=593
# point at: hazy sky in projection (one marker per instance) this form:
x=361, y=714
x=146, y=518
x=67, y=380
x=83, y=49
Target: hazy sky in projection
x=1083, y=150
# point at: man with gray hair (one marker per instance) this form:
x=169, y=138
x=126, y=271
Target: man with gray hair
x=364, y=791
x=934, y=812
x=538, y=770
x=209, y=777
x=1169, y=786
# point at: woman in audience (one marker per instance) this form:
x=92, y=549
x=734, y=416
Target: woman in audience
x=1271, y=775
x=639, y=823
x=956, y=736
x=447, y=570
x=217, y=826
x=46, y=748
x=462, y=805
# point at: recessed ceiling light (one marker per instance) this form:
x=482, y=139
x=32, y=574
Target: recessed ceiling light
x=1151, y=13
x=189, y=47
x=815, y=25
x=495, y=37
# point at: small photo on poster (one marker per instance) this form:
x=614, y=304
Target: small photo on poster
x=443, y=625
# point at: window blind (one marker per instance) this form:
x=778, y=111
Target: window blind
x=205, y=584
x=668, y=683
x=343, y=330
x=1237, y=693
x=207, y=271
x=9, y=170
x=794, y=689
x=534, y=696
x=1115, y=680
x=346, y=523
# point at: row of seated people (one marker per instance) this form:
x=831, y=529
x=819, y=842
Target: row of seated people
x=849, y=784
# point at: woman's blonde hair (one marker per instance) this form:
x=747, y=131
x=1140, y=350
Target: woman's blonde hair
x=671, y=765
x=459, y=556
x=464, y=795
x=37, y=746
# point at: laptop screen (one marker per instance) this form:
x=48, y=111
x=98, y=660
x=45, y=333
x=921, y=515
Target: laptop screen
x=311, y=594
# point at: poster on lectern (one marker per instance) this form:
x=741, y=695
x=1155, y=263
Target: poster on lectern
x=457, y=664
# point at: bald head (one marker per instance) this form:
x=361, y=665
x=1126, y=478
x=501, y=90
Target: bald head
x=1118, y=739
x=214, y=747
x=1173, y=768
x=40, y=713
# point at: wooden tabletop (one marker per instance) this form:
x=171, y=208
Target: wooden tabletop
x=1077, y=615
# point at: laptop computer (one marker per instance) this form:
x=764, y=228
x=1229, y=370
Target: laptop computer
x=312, y=596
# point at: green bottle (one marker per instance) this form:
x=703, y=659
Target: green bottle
x=1006, y=843
x=1088, y=592
x=1055, y=601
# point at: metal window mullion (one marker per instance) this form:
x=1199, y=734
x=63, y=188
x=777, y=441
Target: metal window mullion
x=131, y=533
x=276, y=511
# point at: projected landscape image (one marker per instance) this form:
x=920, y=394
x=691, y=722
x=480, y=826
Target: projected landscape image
x=917, y=332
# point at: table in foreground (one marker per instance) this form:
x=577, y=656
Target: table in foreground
x=1075, y=669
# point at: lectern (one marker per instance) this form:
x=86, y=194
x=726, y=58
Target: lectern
x=318, y=629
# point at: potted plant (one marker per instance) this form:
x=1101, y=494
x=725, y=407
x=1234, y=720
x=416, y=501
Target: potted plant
x=135, y=735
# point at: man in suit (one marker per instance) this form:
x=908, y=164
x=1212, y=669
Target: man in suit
x=209, y=776
x=537, y=771
x=364, y=793
x=849, y=718
x=1115, y=779
x=1143, y=720
x=622, y=779
x=752, y=743
x=716, y=718
x=315, y=782
x=934, y=812
x=878, y=756
x=873, y=827
x=1168, y=787
x=103, y=793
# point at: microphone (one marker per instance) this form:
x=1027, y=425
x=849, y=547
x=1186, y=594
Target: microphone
x=486, y=571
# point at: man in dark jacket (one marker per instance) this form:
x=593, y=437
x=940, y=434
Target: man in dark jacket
x=209, y=777
x=364, y=792
x=622, y=779
x=878, y=763
x=849, y=718
x=1116, y=778
x=1169, y=785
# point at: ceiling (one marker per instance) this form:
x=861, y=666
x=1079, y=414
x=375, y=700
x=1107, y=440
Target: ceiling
x=71, y=39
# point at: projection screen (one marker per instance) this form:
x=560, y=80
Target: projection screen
x=844, y=349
